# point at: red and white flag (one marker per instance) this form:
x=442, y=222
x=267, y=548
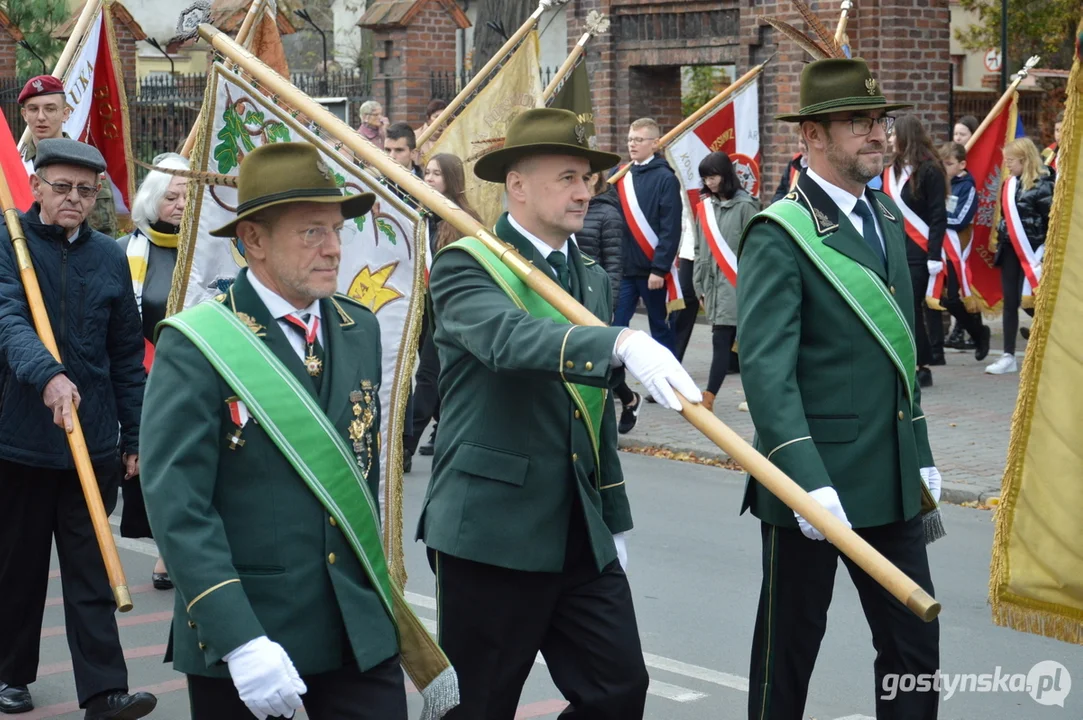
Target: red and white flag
x=11, y=163
x=94, y=87
x=732, y=128
x=647, y=238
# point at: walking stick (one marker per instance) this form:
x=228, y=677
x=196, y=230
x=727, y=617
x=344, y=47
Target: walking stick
x=845, y=539
x=76, y=441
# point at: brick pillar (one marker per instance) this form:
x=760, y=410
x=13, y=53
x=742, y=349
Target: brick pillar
x=654, y=92
x=430, y=47
x=7, y=55
x=126, y=44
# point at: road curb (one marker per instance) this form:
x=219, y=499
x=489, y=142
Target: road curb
x=954, y=493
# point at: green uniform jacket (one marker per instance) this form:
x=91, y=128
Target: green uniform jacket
x=249, y=547
x=514, y=462
x=829, y=407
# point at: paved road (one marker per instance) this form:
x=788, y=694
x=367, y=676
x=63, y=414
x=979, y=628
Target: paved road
x=694, y=570
x=969, y=416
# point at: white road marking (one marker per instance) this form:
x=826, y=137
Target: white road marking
x=856, y=717
x=694, y=671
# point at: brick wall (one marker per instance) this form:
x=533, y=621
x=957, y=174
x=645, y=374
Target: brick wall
x=634, y=66
x=7, y=55
x=126, y=44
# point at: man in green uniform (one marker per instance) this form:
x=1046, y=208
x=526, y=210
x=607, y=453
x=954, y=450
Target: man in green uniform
x=527, y=491
x=261, y=467
x=44, y=111
x=828, y=364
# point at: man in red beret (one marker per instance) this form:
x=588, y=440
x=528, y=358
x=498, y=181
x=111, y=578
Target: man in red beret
x=45, y=110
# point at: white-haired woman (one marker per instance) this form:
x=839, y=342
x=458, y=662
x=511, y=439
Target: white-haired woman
x=152, y=254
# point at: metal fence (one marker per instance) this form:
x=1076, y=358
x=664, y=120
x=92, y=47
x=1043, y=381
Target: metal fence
x=446, y=85
x=979, y=102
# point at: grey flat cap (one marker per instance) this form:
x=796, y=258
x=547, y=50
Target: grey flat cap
x=65, y=151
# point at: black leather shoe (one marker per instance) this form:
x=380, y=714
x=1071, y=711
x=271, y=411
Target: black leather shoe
x=407, y=463
x=981, y=348
x=939, y=360
x=925, y=377
x=956, y=339
x=15, y=699
x=119, y=705
x=428, y=448
x=1025, y=332
x=161, y=581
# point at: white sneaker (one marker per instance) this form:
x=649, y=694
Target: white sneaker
x=1006, y=364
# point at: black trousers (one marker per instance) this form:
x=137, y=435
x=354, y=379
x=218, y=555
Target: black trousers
x=426, y=390
x=1011, y=283
x=722, y=337
x=684, y=321
x=798, y=579
x=919, y=279
x=37, y=505
x=493, y=622
x=343, y=694
x=953, y=303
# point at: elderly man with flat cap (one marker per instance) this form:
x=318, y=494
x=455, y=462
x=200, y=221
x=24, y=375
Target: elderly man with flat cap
x=87, y=290
x=829, y=371
x=261, y=478
x=526, y=510
x=44, y=109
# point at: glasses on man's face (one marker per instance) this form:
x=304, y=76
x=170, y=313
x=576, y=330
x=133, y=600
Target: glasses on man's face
x=640, y=140
x=316, y=236
x=48, y=111
x=61, y=188
x=861, y=125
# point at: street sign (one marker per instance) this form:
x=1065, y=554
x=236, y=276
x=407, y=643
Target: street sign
x=992, y=60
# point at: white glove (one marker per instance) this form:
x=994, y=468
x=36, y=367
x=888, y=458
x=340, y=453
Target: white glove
x=827, y=497
x=622, y=550
x=935, y=266
x=932, y=479
x=654, y=366
x=265, y=678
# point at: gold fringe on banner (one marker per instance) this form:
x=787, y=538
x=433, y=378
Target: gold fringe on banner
x=1036, y=573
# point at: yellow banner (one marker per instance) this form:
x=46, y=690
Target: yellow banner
x=1036, y=578
x=514, y=88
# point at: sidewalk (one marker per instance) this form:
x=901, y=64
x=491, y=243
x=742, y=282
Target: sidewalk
x=969, y=415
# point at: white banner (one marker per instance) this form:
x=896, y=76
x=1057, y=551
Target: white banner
x=79, y=85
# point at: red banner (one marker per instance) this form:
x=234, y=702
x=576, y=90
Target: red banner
x=11, y=162
x=108, y=125
x=985, y=161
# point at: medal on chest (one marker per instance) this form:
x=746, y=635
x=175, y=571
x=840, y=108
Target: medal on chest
x=364, y=416
x=313, y=364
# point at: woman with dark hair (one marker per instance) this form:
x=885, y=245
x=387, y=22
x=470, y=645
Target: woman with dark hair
x=724, y=211
x=917, y=182
x=432, y=111
x=443, y=173
x=964, y=129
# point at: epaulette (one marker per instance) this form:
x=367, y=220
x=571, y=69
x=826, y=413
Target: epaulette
x=588, y=261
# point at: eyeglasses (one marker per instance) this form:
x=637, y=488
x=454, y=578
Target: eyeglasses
x=316, y=236
x=85, y=191
x=640, y=141
x=861, y=125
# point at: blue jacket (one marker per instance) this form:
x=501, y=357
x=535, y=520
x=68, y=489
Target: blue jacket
x=963, y=203
x=87, y=289
x=659, y=195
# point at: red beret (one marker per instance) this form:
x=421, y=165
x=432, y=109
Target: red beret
x=41, y=85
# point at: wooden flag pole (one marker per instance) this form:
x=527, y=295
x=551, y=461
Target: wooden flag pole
x=76, y=441
x=845, y=539
x=840, y=31
x=247, y=24
x=698, y=115
x=444, y=117
x=78, y=31
x=597, y=24
x=1003, y=101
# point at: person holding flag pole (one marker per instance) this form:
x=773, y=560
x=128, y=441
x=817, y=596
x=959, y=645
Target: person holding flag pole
x=895, y=582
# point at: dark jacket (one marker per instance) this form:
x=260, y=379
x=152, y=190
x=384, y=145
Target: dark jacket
x=964, y=206
x=659, y=195
x=87, y=290
x=929, y=205
x=1033, y=205
x=602, y=235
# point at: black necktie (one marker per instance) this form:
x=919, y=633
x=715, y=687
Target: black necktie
x=307, y=327
x=868, y=229
x=560, y=263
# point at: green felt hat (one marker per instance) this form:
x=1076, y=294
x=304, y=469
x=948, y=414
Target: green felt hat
x=839, y=85
x=542, y=131
x=281, y=173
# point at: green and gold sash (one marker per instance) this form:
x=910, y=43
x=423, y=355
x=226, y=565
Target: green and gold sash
x=859, y=287
x=589, y=400
x=291, y=417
